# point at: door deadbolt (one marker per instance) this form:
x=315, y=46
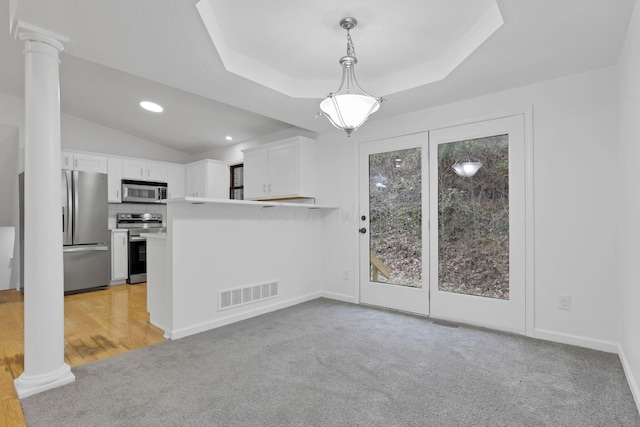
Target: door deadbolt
x=364, y=218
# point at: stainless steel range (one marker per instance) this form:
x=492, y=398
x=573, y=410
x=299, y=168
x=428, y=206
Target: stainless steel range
x=138, y=223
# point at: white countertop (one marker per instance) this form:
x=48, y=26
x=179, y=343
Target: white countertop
x=247, y=203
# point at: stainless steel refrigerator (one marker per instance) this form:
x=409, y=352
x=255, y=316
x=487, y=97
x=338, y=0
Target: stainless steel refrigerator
x=85, y=231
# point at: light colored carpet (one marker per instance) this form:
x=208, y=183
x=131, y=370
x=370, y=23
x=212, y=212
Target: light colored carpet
x=326, y=363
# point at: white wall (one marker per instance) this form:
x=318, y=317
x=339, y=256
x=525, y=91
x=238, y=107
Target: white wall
x=9, y=193
x=11, y=117
x=629, y=187
x=213, y=247
x=575, y=181
x=79, y=134
x=233, y=153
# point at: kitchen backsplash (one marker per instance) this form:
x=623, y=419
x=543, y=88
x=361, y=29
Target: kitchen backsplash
x=116, y=208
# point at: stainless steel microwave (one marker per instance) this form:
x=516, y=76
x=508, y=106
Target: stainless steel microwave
x=143, y=191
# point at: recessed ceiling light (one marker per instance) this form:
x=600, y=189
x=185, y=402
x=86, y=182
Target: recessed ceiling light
x=228, y=138
x=151, y=106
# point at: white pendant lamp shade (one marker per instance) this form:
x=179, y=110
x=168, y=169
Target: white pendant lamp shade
x=349, y=111
x=350, y=106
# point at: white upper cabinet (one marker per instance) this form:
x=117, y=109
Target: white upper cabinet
x=119, y=168
x=133, y=169
x=83, y=162
x=157, y=172
x=284, y=169
x=176, y=181
x=144, y=171
x=114, y=180
x=255, y=173
x=208, y=178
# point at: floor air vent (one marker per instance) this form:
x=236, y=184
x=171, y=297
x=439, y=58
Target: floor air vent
x=240, y=296
x=444, y=323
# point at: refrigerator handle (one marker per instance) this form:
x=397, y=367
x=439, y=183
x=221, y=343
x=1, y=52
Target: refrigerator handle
x=66, y=213
x=75, y=207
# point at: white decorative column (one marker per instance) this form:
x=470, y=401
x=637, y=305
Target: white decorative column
x=44, y=366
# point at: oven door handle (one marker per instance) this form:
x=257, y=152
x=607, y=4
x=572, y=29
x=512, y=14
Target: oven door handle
x=137, y=239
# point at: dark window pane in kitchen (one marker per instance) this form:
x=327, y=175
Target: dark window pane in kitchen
x=237, y=182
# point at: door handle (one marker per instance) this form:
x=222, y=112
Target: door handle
x=362, y=230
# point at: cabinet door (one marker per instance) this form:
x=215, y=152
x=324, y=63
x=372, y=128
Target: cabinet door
x=114, y=180
x=283, y=170
x=176, y=181
x=157, y=172
x=133, y=169
x=195, y=176
x=217, y=186
x=119, y=256
x=255, y=175
x=89, y=163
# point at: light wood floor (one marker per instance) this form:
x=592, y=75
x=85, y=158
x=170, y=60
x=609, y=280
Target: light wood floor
x=97, y=325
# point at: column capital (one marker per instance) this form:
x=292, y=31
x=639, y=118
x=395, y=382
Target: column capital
x=27, y=32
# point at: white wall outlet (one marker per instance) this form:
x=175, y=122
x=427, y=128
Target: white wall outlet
x=564, y=302
x=345, y=275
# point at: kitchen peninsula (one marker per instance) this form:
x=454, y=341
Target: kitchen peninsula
x=227, y=260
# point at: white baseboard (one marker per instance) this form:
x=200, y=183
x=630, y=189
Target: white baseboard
x=577, y=340
x=633, y=384
x=339, y=297
x=227, y=320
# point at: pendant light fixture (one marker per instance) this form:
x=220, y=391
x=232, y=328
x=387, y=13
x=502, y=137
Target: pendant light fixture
x=350, y=106
x=467, y=169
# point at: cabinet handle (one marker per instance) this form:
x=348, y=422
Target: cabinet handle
x=269, y=188
x=117, y=194
x=76, y=163
x=264, y=188
x=148, y=172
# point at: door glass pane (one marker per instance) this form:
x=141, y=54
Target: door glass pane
x=473, y=217
x=395, y=217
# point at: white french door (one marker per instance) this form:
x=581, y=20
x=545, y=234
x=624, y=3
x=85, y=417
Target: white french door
x=477, y=193
x=393, y=223
x=442, y=223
